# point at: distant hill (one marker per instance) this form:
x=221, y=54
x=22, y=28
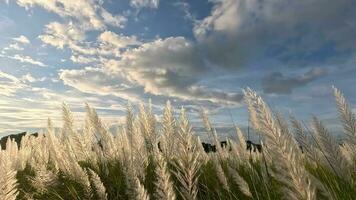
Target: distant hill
x=17, y=138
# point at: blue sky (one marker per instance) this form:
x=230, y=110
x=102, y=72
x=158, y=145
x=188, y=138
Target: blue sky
x=197, y=53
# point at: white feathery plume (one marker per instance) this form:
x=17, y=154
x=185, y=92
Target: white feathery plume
x=130, y=123
x=139, y=151
x=43, y=178
x=66, y=161
x=133, y=148
x=240, y=147
x=24, y=152
x=88, y=136
x=73, y=138
x=98, y=185
x=348, y=153
x=346, y=115
x=147, y=125
x=106, y=138
x=168, y=131
x=331, y=150
x=79, y=174
x=245, y=189
x=307, y=146
x=8, y=182
x=203, y=155
x=188, y=161
x=283, y=149
x=12, y=152
x=220, y=173
x=141, y=193
x=164, y=186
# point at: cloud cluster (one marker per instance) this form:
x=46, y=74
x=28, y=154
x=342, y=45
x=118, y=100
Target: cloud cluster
x=164, y=67
x=237, y=34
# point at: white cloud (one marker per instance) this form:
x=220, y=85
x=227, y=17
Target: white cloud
x=98, y=81
x=240, y=32
x=14, y=46
x=118, y=41
x=28, y=78
x=9, y=84
x=118, y=20
x=28, y=59
x=68, y=35
x=144, y=3
x=169, y=67
x=61, y=35
x=22, y=39
x=81, y=59
x=89, y=14
x=18, y=44
x=25, y=59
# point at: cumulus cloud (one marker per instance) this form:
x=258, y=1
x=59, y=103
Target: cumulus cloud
x=89, y=14
x=164, y=67
x=240, y=32
x=144, y=3
x=22, y=39
x=277, y=83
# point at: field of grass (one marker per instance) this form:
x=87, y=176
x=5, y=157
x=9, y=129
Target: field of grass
x=297, y=162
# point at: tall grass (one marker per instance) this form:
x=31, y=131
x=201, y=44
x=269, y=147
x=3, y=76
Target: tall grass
x=142, y=161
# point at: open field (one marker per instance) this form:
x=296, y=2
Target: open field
x=297, y=162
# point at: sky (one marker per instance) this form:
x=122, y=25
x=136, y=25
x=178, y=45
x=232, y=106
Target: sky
x=195, y=53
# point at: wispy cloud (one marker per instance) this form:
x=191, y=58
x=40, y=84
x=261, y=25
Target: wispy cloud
x=14, y=46
x=89, y=14
x=22, y=39
x=9, y=84
x=144, y=3
x=25, y=59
